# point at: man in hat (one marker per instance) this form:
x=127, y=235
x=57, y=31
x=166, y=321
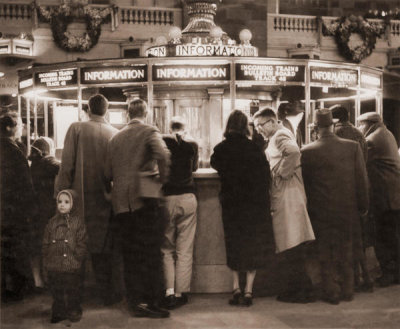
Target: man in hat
x=361, y=231
x=383, y=166
x=336, y=185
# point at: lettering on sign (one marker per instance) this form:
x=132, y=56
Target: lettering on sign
x=273, y=73
x=4, y=49
x=334, y=76
x=137, y=73
x=214, y=50
x=191, y=72
x=54, y=79
x=23, y=50
x=370, y=80
x=160, y=51
x=25, y=83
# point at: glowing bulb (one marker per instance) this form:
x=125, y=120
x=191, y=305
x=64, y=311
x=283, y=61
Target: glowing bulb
x=161, y=40
x=216, y=32
x=245, y=36
x=175, y=32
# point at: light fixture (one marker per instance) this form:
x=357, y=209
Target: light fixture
x=160, y=40
x=175, y=34
x=14, y=95
x=2, y=74
x=245, y=36
x=216, y=32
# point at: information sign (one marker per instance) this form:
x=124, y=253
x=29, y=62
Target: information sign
x=191, y=72
x=334, y=76
x=274, y=73
x=57, y=78
x=114, y=74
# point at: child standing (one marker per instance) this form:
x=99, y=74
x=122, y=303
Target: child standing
x=64, y=251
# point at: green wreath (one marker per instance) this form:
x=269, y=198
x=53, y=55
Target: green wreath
x=60, y=18
x=345, y=26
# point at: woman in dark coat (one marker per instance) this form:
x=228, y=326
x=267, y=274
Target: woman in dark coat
x=17, y=205
x=245, y=178
x=44, y=169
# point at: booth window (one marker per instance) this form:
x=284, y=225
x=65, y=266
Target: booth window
x=131, y=52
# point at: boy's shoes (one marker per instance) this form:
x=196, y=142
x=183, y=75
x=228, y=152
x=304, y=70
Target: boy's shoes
x=57, y=318
x=75, y=316
x=171, y=302
x=150, y=311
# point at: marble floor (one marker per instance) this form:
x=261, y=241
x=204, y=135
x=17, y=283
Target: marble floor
x=380, y=309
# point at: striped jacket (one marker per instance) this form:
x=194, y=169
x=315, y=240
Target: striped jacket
x=64, y=244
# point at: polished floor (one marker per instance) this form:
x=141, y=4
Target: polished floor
x=380, y=309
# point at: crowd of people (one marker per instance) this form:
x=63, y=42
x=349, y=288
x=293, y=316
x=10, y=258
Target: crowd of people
x=328, y=200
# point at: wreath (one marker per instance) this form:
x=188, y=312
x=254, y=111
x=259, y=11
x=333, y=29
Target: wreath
x=345, y=26
x=62, y=16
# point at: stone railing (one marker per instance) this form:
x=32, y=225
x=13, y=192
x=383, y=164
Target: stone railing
x=15, y=11
x=154, y=16
x=124, y=15
x=292, y=23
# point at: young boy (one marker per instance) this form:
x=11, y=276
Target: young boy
x=64, y=251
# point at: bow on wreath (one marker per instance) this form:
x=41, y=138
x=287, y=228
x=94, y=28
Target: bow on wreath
x=342, y=29
x=60, y=17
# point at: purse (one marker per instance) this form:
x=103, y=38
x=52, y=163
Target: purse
x=150, y=185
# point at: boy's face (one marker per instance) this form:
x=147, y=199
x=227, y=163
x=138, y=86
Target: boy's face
x=64, y=204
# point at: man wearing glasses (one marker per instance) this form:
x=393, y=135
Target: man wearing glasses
x=291, y=224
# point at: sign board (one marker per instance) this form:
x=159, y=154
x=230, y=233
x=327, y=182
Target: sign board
x=369, y=80
x=202, y=50
x=334, y=76
x=25, y=84
x=114, y=74
x=191, y=72
x=57, y=78
x=274, y=73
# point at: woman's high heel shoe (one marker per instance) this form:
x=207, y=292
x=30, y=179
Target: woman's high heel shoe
x=236, y=294
x=248, y=299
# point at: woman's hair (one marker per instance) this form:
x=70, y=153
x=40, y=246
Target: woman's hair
x=237, y=123
x=137, y=108
x=8, y=120
x=340, y=112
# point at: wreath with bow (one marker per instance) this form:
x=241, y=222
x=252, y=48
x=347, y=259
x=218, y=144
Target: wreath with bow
x=59, y=19
x=345, y=26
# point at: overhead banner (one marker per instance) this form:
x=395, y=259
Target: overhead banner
x=114, y=74
x=334, y=76
x=191, y=72
x=274, y=73
x=56, y=78
x=25, y=83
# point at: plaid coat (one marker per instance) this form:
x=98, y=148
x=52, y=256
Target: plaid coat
x=65, y=242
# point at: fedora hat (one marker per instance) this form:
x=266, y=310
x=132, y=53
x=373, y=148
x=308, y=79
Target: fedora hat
x=323, y=118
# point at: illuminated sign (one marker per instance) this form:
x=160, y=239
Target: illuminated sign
x=203, y=50
x=159, y=51
x=55, y=79
x=23, y=50
x=370, y=80
x=274, y=73
x=135, y=73
x=191, y=72
x=25, y=83
x=334, y=76
x=4, y=49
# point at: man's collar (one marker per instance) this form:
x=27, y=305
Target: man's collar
x=136, y=120
x=97, y=118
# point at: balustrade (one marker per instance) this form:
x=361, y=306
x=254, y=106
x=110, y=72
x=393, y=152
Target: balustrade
x=15, y=11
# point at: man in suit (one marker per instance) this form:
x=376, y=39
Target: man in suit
x=335, y=180
x=82, y=169
x=132, y=153
x=181, y=204
x=291, y=115
x=383, y=166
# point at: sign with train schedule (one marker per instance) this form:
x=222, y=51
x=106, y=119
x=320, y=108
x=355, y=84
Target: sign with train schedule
x=270, y=73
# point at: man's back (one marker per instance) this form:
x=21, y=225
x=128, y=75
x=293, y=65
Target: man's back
x=136, y=148
x=184, y=161
x=347, y=131
x=335, y=179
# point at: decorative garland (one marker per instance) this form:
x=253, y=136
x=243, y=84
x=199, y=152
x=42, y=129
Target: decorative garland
x=62, y=16
x=345, y=26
